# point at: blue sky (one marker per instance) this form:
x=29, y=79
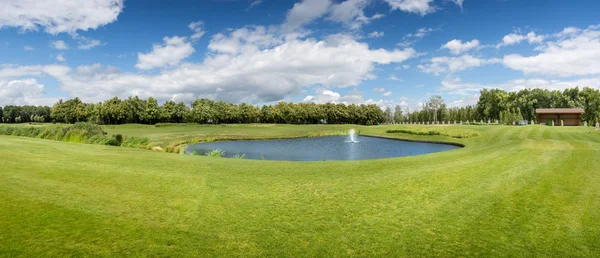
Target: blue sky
x=387, y=52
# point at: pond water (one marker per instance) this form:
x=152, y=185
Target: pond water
x=321, y=148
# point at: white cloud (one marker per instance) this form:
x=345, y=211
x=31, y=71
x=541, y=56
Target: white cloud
x=381, y=90
x=351, y=13
x=445, y=64
x=567, y=32
x=411, y=38
x=254, y=3
x=23, y=92
x=421, y=32
x=28, y=48
x=86, y=43
x=198, y=27
x=459, y=3
x=420, y=7
x=59, y=44
x=376, y=34
x=249, y=64
x=323, y=96
x=171, y=53
x=57, y=16
x=457, y=46
x=387, y=94
x=60, y=58
x=402, y=67
x=517, y=37
x=305, y=12
x=576, y=52
x=456, y=86
x=394, y=78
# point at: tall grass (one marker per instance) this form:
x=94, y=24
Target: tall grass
x=454, y=133
x=216, y=153
x=330, y=133
x=79, y=133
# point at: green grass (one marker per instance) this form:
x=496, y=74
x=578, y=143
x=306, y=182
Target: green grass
x=168, y=135
x=513, y=191
x=454, y=132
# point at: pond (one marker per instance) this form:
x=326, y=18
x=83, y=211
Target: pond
x=321, y=148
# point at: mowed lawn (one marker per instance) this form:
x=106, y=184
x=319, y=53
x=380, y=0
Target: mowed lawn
x=513, y=191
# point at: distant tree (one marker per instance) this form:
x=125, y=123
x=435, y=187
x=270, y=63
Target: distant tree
x=389, y=115
x=434, y=104
x=398, y=114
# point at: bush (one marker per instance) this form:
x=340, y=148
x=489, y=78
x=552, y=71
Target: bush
x=118, y=138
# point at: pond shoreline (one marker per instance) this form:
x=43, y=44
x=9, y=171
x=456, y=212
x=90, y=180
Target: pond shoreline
x=416, y=140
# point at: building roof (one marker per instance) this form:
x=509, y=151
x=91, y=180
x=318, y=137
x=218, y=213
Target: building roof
x=559, y=111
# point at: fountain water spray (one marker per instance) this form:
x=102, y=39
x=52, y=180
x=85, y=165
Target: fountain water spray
x=352, y=136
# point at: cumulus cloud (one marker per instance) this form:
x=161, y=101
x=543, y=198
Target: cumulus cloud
x=387, y=94
x=393, y=78
x=351, y=13
x=517, y=37
x=23, y=92
x=457, y=46
x=323, y=96
x=171, y=53
x=381, y=90
x=87, y=43
x=60, y=58
x=445, y=64
x=454, y=85
x=575, y=52
x=250, y=64
x=420, y=7
x=305, y=12
x=60, y=45
x=198, y=28
x=58, y=16
x=28, y=48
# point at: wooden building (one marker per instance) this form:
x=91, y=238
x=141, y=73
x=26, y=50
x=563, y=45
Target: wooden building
x=570, y=116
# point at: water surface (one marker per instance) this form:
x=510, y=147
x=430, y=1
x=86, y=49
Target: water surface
x=321, y=148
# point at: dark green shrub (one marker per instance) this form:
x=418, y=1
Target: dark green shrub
x=118, y=138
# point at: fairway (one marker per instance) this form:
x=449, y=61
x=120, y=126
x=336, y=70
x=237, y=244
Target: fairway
x=512, y=191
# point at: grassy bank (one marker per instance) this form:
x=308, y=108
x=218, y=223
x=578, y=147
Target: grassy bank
x=78, y=133
x=513, y=191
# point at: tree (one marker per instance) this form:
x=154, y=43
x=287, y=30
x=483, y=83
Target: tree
x=151, y=113
x=389, y=115
x=491, y=102
x=398, y=114
x=435, y=103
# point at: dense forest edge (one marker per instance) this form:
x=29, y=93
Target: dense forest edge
x=494, y=105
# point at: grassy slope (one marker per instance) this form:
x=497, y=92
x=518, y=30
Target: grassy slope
x=165, y=136
x=514, y=191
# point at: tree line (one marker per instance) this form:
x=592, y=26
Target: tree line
x=202, y=111
x=494, y=105
x=497, y=105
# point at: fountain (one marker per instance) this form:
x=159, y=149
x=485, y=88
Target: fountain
x=352, y=136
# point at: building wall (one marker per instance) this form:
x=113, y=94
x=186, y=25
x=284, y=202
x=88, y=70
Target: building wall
x=569, y=119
